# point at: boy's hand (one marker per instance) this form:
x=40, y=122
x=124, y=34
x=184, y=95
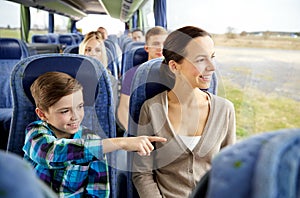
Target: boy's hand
x=142, y=144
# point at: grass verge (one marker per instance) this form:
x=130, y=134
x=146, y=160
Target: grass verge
x=258, y=112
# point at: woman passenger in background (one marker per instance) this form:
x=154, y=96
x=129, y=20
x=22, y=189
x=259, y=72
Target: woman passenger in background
x=196, y=123
x=93, y=45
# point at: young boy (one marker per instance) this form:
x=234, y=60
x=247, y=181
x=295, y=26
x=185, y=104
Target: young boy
x=155, y=38
x=67, y=156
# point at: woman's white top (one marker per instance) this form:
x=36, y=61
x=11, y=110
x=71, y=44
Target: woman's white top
x=190, y=141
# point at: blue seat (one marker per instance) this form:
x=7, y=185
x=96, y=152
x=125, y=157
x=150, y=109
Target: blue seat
x=53, y=37
x=98, y=97
x=148, y=81
x=113, y=37
x=133, y=49
x=11, y=51
x=111, y=63
x=124, y=40
x=19, y=180
x=112, y=46
x=66, y=39
x=40, y=38
x=73, y=49
x=134, y=57
x=77, y=38
x=265, y=165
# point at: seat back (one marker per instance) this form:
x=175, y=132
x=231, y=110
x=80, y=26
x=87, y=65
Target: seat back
x=73, y=49
x=264, y=165
x=98, y=98
x=66, y=39
x=148, y=81
x=40, y=38
x=111, y=63
x=112, y=46
x=11, y=51
x=133, y=55
x=53, y=37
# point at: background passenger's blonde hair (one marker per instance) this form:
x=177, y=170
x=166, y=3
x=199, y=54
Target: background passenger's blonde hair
x=94, y=35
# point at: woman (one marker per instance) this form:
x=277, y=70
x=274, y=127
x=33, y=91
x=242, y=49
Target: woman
x=196, y=123
x=93, y=45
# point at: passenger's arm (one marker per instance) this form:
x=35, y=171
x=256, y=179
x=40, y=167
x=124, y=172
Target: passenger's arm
x=141, y=144
x=123, y=110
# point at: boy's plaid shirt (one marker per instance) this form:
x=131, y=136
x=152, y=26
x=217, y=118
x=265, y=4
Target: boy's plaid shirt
x=71, y=167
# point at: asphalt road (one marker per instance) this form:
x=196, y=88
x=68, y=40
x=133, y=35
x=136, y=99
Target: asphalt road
x=269, y=70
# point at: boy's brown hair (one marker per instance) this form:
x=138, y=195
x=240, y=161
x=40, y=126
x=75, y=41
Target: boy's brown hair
x=50, y=87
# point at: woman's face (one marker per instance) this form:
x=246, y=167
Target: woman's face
x=198, y=66
x=93, y=48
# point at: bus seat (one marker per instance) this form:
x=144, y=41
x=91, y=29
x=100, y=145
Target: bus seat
x=19, y=180
x=123, y=42
x=264, y=165
x=113, y=37
x=112, y=46
x=133, y=57
x=53, y=37
x=147, y=82
x=11, y=51
x=77, y=38
x=99, y=109
x=73, y=49
x=111, y=63
x=66, y=39
x=40, y=38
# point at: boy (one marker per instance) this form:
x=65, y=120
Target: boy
x=155, y=38
x=67, y=156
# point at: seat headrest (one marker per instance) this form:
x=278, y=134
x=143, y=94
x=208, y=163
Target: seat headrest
x=78, y=67
x=10, y=49
x=66, y=39
x=140, y=56
x=40, y=38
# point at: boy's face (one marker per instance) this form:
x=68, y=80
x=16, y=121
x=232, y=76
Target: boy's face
x=154, y=46
x=66, y=115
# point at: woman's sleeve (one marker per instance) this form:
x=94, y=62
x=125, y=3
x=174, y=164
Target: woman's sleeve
x=231, y=129
x=143, y=177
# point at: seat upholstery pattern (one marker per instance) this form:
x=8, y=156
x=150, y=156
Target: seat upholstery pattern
x=98, y=98
x=11, y=52
x=265, y=165
x=134, y=54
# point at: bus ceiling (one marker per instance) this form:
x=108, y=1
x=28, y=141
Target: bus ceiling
x=77, y=9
